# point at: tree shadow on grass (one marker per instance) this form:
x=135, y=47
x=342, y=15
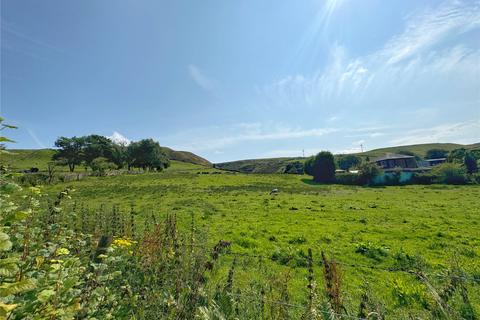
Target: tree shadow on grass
x=313, y=183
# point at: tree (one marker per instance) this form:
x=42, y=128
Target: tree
x=436, y=154
x=51, y=170
x=346, y=162
x=470, y=163
x=70, y=151
x=367, y=172
x=119, y=155
x=321, y=167
x=457, y=155
x=96, y=146
x=147, y=154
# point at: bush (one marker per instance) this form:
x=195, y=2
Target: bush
x=372, y=250
x=450, y=173
x=475, y=178
x=100, y=165
x=347, y=178
x=294, y=168
x=393, y=177
x=368, y=172
x=33, y=179
x=424, y=178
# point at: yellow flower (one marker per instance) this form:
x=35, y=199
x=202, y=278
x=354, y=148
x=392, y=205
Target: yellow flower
x=56, y=261
x=63, y=251
x=35, y=190
x=123, y=243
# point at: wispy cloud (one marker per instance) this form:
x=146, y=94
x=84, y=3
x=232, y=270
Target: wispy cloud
x=409, y=61
x=431, y=27
x=18, y=42
x=201, y=79
x=119, y=138
x=460, y=132
x=35, y=138
x=215, y=138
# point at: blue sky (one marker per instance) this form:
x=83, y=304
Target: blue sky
x=243, y=79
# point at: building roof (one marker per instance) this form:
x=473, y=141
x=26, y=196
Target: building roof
x=438, y=159
x=393, y=156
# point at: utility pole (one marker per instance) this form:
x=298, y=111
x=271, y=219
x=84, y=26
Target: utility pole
x=361, y=146
x=303, y=152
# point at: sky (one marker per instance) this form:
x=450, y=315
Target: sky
x=233, y=80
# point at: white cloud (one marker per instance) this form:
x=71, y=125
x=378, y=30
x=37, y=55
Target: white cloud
x=119, y=138
x=460, y=132
x=409, y=62
x=431, y=27
x=214, y=138
x=200, y=78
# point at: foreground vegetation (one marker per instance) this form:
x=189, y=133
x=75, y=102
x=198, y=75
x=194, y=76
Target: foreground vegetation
x=378, y=241
x=196, y=242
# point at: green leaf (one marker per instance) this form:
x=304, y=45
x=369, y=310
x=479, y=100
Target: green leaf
x=5, y=139
x=5, y=243
x=8, y=289
x=45, y=295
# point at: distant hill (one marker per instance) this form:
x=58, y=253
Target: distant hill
x=186, y=156
x=278, y=165
x=418, y=149
x=21, y=159
x=273, y=165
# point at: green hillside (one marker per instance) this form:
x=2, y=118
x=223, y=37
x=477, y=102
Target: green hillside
x=278, y=165
x=419, y=149
x=273, y=165
x=22, y=159
x=185, y=156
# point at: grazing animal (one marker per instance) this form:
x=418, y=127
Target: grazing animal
x=274, y=191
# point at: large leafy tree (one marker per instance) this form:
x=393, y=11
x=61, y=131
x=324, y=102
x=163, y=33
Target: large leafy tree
x=96, y=146
x=147, y=154
x=70, y=151
x=346, y=162
x=321, y=167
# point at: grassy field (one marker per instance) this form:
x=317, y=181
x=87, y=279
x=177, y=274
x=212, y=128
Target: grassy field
x=368, y=230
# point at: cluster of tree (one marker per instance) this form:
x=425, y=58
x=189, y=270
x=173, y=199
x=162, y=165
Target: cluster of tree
x=348, y=161
x=100, y=153
x=467, y=158
x=322, y=168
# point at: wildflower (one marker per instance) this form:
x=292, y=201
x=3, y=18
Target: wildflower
x=63, y=252
x=35, y=190
x=123, y=243
x=56, y=261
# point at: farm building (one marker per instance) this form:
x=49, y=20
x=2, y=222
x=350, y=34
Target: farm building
x=435, y=162
x=391, y=161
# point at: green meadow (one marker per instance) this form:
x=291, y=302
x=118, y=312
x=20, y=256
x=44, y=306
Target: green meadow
x=370, y=231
